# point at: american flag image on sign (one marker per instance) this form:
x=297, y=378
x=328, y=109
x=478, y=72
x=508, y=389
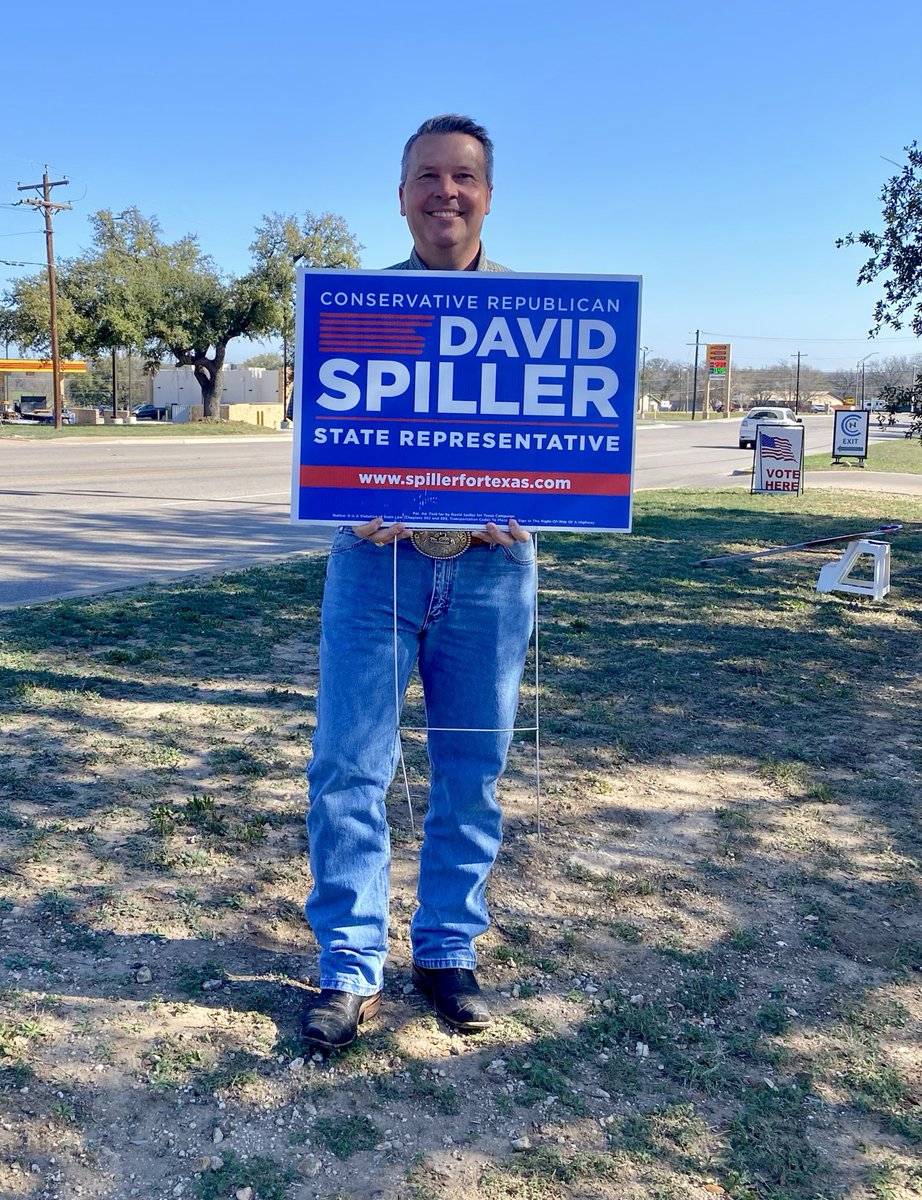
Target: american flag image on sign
x=373, y=333
x=775, y=447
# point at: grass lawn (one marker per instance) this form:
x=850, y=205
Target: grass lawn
x=672, y=415
x=706, y=972
x=895, y=454
x=143, y=429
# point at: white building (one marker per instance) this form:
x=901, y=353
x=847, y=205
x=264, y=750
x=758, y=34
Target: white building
x=240, y=385
x=249, y=394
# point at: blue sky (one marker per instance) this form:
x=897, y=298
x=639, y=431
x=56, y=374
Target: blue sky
x=716, y=149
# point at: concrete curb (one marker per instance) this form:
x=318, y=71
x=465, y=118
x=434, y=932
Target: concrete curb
x=205, y=439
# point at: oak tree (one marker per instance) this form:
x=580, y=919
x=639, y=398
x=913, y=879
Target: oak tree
x=168, y=300
x=896, y=252
x=281, y=244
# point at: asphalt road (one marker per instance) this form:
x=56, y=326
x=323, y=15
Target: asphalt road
x=81, y=516
x=706, y=453
x=85, y=515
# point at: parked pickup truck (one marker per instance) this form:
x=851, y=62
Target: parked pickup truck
x=35, y=410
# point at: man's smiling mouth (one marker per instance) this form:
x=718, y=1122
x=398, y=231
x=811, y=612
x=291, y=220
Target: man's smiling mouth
x=445, y=212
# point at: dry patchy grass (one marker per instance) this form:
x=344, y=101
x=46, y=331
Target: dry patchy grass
x=706, y=970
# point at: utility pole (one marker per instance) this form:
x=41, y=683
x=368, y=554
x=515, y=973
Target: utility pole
x=797, y=382
x=48, y=207
x=695, y=377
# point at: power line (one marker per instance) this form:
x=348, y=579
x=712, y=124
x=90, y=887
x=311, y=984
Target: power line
x=761, y=337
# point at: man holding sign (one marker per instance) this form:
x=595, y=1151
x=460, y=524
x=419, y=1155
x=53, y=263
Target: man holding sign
x=464, y=612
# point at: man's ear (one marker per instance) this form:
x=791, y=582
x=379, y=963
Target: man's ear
x=403, y=209
x=489, y=200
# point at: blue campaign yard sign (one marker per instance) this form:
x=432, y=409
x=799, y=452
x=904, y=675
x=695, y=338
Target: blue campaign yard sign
x=453, y=398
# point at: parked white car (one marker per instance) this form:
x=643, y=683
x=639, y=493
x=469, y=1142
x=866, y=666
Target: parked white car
x=763, y=416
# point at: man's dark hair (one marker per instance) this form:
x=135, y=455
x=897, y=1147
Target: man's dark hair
x=451, y=123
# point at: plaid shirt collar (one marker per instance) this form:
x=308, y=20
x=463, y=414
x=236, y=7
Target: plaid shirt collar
x=482, y=263
x=415, y=263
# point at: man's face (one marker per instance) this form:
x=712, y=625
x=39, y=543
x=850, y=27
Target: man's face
x=445, y=198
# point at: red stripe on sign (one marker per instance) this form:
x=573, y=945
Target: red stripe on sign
x=370, y=348
x=379, y=324
x=376, y=336
x=448, y=479
x=371, y=331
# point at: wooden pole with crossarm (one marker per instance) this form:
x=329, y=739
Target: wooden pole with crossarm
x=48, y=207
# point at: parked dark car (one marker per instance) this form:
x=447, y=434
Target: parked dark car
x=152, y=412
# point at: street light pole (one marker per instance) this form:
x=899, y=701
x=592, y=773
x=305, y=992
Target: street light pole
x=797, y=381
x=122, y=216
x=644, y=350
x=859, y=373
x=289, y=304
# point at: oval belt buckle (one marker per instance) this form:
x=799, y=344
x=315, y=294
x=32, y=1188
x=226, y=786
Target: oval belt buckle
x=441, y=543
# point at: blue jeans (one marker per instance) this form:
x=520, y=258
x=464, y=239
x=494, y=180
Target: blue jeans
x=467, y=621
